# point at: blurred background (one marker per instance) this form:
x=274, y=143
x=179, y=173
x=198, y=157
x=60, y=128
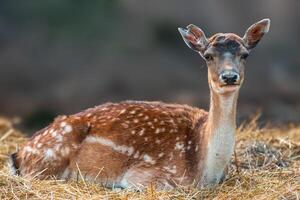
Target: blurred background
x=62, y=56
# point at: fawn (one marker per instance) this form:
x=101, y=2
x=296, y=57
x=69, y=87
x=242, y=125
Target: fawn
x=135, y=143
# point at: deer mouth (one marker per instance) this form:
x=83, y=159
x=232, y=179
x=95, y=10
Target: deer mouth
x=229, y=87
x=223, y=87
x=232, y=85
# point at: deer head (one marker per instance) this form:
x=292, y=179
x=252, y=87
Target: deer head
x=225, y=53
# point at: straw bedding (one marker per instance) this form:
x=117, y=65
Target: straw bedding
x=266, y=165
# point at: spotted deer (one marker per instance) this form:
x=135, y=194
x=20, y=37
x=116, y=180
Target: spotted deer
x=134, y=143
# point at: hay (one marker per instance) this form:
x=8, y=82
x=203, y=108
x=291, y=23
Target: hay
x=266, y=165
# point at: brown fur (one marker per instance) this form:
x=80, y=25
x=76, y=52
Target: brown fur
x=116, y=122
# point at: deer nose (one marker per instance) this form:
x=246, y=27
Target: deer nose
x=229, y=78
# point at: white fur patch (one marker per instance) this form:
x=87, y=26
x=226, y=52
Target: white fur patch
x=65, y=151
x=179, y=145
x=148, y=159
x=49, y=153
x=106, y=142
x=59, y=138
x=161, y=155
x=67, y=129
x=30, y=150
x=221, y=145
x=171, y=170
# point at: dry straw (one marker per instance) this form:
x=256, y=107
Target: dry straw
x=266, y=165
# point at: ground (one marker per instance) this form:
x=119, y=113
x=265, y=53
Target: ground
x=266, y=165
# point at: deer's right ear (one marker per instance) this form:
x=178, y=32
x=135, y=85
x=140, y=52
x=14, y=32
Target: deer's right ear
x=256, y=32
x=194, y=38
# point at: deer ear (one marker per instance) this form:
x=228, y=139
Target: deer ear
x=194, y=38
x=256, y=32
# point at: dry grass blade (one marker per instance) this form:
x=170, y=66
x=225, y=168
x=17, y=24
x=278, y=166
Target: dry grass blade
x=5, y=135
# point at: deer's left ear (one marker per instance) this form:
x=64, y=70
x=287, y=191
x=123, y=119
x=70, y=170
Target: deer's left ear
x=194, y=38
x=256, y=32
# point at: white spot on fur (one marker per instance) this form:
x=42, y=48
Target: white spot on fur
x=125, y=125
x=45, y=133
x=142, y=131
x=123, y=111
x=65, y=151
x=49, y=153
x=54, y=133
x=106, y=142
x=146, y=117
x=148, y=159
x=35, y=141
x=171, y=169
x=30, y=150
x=157, y=131
x=59, y=138
x=171, y=121
x=161, y=155
x=135, y=121
x=179, y=145
x=136, y=155
x=68, y=129
x=171, y=156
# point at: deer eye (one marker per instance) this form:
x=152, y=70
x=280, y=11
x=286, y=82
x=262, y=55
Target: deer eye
x=244, y=56
x=208, y=57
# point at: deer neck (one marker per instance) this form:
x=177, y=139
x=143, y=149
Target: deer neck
x=220, y=136
x=222, y=112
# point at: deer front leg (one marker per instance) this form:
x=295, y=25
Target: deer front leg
x=224, y=174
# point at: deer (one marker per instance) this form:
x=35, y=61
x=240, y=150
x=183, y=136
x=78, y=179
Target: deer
x=136, y=143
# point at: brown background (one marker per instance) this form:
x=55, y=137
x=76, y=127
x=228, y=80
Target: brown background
x=59, y=56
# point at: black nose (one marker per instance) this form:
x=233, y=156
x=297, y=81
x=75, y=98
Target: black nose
x=229, y=78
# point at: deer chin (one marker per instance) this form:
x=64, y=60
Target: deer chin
x=230, y=88
x=222, y=89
